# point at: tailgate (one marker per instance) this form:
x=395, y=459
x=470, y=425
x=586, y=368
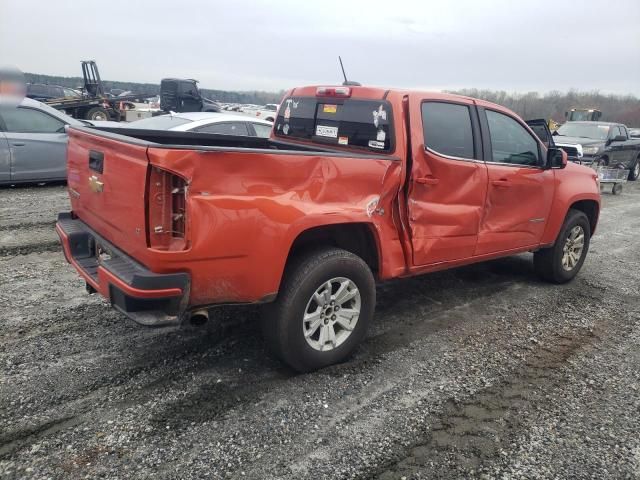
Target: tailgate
x=107, y=179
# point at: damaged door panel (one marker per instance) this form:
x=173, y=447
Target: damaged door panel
x=448, y=180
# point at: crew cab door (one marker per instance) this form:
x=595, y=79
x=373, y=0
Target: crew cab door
x=520, y=190
x=448, y=179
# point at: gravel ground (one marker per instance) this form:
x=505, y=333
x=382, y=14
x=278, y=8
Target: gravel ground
x=479, y=372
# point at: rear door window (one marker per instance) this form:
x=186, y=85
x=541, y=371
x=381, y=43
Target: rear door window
x=346, y=122
x=447, y=129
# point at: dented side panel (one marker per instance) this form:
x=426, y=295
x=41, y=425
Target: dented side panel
x=246, y=209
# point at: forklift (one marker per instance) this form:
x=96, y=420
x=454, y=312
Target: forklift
x=583, y=115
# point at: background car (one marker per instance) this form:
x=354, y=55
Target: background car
x=33, y=142
x=634, y=132
x=600, y=143
x=206, y=122
x=42, y=92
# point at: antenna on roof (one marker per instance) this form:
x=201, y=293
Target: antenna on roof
x=346, y=82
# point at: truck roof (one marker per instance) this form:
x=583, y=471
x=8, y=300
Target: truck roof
x=382, y=92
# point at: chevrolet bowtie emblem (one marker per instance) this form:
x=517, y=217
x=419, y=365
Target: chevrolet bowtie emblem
x=95, y=184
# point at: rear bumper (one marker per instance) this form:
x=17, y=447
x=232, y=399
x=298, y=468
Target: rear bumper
x=149, y=298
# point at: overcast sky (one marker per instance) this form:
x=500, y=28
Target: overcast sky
x=271, y=45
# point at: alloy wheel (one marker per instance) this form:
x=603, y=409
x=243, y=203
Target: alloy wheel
x=331, y=314
x=573, y=247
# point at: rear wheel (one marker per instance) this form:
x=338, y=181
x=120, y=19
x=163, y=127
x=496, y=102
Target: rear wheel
x=97, y=113
x=323, y=310
x=563, y=261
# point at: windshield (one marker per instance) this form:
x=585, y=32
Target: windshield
x=595, y=131
x=162, y=122
x=339, y=121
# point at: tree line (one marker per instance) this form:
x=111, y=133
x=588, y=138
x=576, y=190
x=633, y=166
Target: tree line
x=615, y=108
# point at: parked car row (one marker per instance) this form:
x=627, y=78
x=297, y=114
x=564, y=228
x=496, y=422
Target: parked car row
x=266, y=112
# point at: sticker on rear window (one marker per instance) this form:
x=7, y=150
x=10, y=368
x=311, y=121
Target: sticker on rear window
x=324, y=131
x=376, y=144
x=379, y=114
x=343, y=140
x=330, y=108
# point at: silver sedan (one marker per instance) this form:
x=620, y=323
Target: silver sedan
x=33, y=142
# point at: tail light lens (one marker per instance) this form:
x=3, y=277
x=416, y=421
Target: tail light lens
x=167, y=213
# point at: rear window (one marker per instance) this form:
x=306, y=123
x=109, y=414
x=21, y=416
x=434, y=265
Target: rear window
x=163, y=122
x=336, y=121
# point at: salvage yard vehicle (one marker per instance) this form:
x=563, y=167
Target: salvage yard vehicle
x=182, y=95
x=268, y=112
x=355, y=185
x=43, y=92
x=206, y=122
x=33, y=142
x=601, y=144
x=583, y=114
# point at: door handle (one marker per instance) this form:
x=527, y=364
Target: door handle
x=18, y=144
x=501, y=183
x=427, y=180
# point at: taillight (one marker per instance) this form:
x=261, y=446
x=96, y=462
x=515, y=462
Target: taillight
x=333, y=92
x=166, y=220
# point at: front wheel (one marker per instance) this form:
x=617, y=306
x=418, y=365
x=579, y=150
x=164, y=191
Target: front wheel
x=562, y=262
x=323, y=309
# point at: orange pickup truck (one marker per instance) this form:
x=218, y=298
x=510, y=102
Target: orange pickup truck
x=355, y=185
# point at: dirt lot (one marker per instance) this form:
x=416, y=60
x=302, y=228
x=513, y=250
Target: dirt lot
x=478, y=372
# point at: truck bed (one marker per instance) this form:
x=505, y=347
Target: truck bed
x=213, y=141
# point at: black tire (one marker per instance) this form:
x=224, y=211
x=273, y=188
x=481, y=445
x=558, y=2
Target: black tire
x=282, y=322
x=548, y=261
x=97, y=113
x=634, y=171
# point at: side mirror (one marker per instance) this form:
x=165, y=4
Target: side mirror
x=556, y=158
x=619, y=138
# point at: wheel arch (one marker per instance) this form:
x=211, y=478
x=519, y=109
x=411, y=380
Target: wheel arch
x=590, y=208
x=359, y=238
